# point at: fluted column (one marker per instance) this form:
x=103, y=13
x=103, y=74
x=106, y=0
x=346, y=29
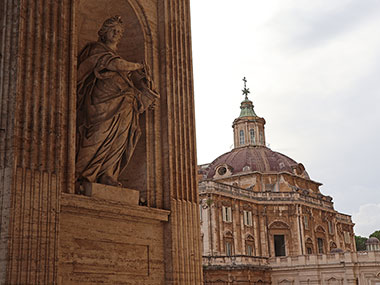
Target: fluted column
x=37, y=133
x=179, y=150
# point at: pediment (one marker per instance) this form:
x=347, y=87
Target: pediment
x=279, y=225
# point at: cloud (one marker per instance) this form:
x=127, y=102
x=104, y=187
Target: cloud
x=367, y=220
x=313, y=68
x=318, y=22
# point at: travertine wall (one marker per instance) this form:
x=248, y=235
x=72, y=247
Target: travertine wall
x=338, y=268
x=38, y=116
x=237, y=275
x=109, y=242
x=39, y=45
x=9, y=15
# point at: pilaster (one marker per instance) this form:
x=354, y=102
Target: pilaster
x=182, y=234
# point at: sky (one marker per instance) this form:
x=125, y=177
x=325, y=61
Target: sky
x=313, y=69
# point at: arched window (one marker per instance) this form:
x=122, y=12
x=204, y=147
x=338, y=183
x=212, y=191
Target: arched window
x=242, y=139
x=252, y=134
x=309, y=246
x=228, y=247
x=250, y=245
x=320, y=245
x=228, y=243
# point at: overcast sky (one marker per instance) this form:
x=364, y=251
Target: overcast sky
x=313, y=68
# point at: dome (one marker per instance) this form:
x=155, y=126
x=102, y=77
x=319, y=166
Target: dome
x=372, y=240
x=336, y=250
x=254, y=158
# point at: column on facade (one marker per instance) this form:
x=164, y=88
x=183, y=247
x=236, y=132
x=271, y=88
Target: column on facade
x=263, y=235
x=256, y=227
x=219, y=244
x=242, y=231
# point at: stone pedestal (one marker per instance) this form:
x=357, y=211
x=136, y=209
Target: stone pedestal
x=111, y=193
x=109, y=242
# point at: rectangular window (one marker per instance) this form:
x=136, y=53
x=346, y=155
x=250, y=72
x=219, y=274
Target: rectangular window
x=347, y=238
x=320, y=245
x=331, y=227
x=261, y=137
x=306, y=222
x=228, y=248
x=247, y=217
x=227, y=214
x=242, y=139
x=279, y=245
x=252, y=133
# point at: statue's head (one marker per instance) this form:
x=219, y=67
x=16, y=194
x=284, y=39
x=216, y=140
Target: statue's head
x=111, y=30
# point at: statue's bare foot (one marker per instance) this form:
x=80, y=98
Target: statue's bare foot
x=108, y=180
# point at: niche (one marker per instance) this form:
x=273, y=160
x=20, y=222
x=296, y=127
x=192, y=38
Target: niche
x=132, y=47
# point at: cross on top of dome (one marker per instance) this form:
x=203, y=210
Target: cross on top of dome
x=245, y=90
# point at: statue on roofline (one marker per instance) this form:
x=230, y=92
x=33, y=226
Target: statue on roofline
x=111, y=95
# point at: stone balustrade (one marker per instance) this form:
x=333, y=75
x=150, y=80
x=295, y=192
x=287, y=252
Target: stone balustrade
x=294, y=261
x=213, y=187
x=235, y=260
x=343, y=217
x=325, y=259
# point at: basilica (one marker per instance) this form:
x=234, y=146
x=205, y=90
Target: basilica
x=259, y=207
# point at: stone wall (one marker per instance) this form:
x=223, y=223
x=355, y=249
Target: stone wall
x=110, y=242
x=339, y=268
x=38, y=118
x=242, y=275
x=9, y=47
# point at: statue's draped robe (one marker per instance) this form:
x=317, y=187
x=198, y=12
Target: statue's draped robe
x=108, y=109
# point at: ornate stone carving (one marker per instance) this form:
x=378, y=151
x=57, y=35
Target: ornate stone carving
x=319, y=229
x=278, y=225
x=111, y=95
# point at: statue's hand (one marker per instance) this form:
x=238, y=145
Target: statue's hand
x=153, y=105
x=139, y=66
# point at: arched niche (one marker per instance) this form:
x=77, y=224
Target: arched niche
x=91, y=15
x=135, y=46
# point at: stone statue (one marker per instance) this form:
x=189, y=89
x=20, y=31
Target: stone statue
x=111, y=95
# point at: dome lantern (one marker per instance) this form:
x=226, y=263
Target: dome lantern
x=248, y=127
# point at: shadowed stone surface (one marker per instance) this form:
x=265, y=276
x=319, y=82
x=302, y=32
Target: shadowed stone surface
x=112, y=193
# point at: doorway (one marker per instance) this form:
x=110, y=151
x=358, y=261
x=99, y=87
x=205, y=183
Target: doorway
x=279, y=245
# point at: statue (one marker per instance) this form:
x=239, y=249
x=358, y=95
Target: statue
x=111, y=95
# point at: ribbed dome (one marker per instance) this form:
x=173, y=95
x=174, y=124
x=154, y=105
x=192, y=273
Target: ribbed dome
x=255, y=158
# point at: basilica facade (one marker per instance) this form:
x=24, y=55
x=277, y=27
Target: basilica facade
x=259, y=207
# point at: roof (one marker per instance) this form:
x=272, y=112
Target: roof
x=255, y=158
x=372, y=240
x=247, y=109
